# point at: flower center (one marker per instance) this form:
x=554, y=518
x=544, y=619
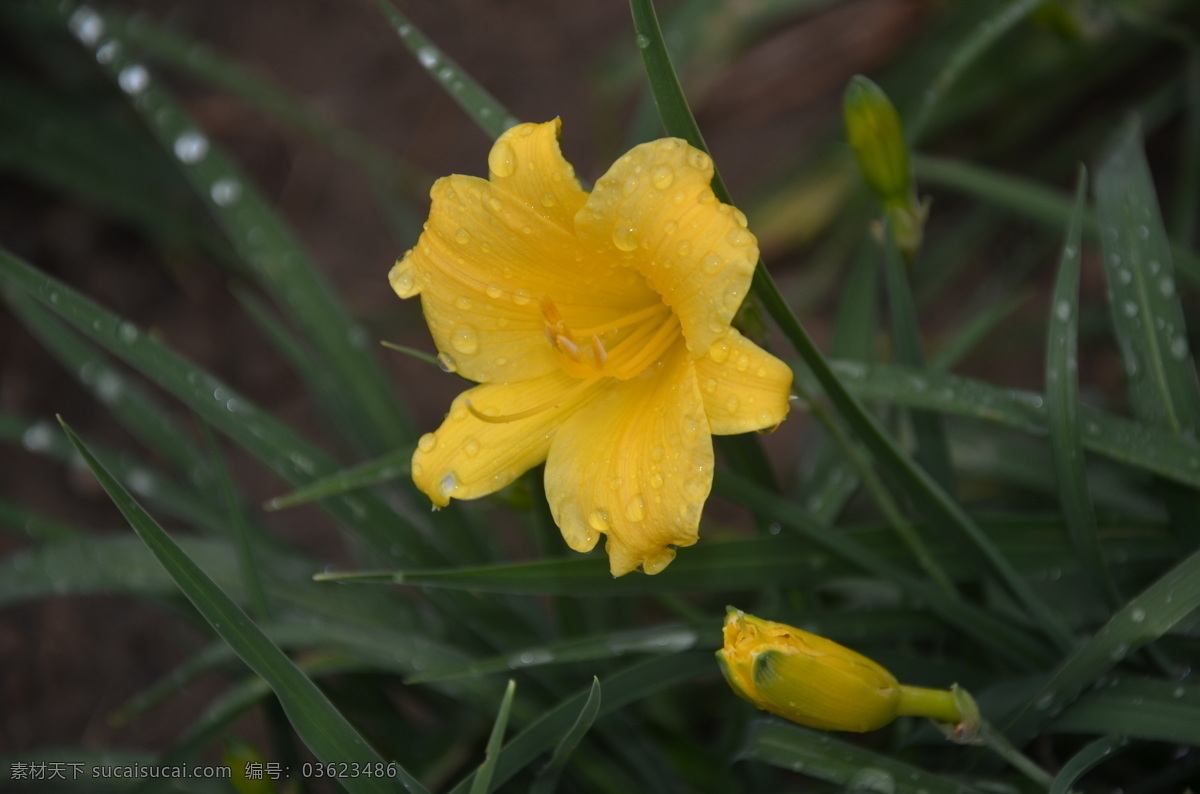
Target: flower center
x=621, y=348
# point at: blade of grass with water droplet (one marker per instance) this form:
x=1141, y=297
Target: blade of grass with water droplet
x=269, y=249
x=1147, y=314
x=1145, y=618
x=1028, y=199
x=1062, y=407
x=1079, y=764
x=924, y=492
x=137, y=411
x=1156, y=710
x=1134, y=443
x=292, y=457
x=383, y=469
x=484, y=109
x=821, y=756
x=322, y=727
x=387, y=174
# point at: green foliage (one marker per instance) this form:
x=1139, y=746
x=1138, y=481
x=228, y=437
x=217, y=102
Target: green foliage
x=997, y=482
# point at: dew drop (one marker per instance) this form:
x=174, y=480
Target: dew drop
x=656, y=480
x=642, y=41
x=502, y=160
x=462, y=237
x=1118, y=652
x=1129, y=308
x=128, y=332
x=191, y=146
x=684, y=248
x=1137, y=615
x=719, y=352
x=471, y=447
x=624, y=236
x=1166, y=285
x=87, y=25
x=448, y=485
x=225, y=191
x=662, y=176
x=493, y=291
x=1063, y=311
x=710, y=385
x=108, y=51
x=463, y=303
x=38, y=437
x=710, y=264
x=521, y=297
x=635, y=508
x=871, y=781
x=548, y=200
x=428, y=57
x=446, y=363
x=1179, y=348
x=465, y=339
x=732, y=403
x=739, y=237
x=699, y=160
x=133, y=79
x=427, y=442
x=598, y=520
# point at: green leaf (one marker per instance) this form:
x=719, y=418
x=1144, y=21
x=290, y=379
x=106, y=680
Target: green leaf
x=1082, y=761
x=546, y=781
x=292, y=457
x=322, y=727
x=267, y=247
x=1162, y=711
x=389, y=467
x=819, y=755
x=482, y=781
x=1147, y=314
x=1062, y=407
x=1145, y=618
x=472, y=97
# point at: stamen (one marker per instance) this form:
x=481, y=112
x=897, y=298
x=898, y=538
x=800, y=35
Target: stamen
x=568, y=346
x=599, y=354
x=625, y=320
x=553, y=402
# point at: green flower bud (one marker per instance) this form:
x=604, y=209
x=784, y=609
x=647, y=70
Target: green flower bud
x=874, y=131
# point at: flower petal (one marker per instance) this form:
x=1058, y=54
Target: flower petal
x=488, y=255
x=468, y=457
x=655, y=210
x=634, y=463
x=527, y=163
x=744, y=387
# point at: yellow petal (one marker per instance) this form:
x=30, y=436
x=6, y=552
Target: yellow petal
x=483, y=263
x=527, y=163
x=655, y=210
x=468, y=457
x=744, y=387
x=809, y=689
x=634, y=463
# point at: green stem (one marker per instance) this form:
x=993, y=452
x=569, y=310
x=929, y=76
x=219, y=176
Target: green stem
x=995, y=741
x=937, y=704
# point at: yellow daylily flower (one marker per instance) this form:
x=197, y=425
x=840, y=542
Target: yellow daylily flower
x=819, y=683
x=598, y=327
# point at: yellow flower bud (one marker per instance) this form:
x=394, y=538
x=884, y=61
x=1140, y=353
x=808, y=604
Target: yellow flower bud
x=873, y=129
x=816, y=682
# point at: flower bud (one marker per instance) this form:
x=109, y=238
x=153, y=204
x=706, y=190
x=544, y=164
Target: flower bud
x=816, y=682
x=873, y=129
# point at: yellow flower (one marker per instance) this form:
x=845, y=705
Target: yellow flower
x=598, y=325
x=818, y=683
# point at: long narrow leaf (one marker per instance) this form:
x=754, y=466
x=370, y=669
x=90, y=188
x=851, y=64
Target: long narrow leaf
x=322, y=727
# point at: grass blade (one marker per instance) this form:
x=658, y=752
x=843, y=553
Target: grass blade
x=818, y=755
x=319, y=723
x=266, y=246
x=1147, y=315
x=484, y=109
x=389, y=467
x=1062, y=407
x=1082, y=761
x=482, y=781
x=547, y=780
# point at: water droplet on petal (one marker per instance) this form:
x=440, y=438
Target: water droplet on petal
x=662, y=176
x=739, y=237
x=521, y=297
x=624, y=236
x=598, y=520
x=427, y=442
x=465, y=339
x=635, y=508
x=711, y=264
x=699, y=160
x=502, y=160
x=462, y=237
x=448, y=485
x=732, y=403
x=471, y=447
x=548, y=200
x=463, y=303
x=446, y=363
x=719, y=352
